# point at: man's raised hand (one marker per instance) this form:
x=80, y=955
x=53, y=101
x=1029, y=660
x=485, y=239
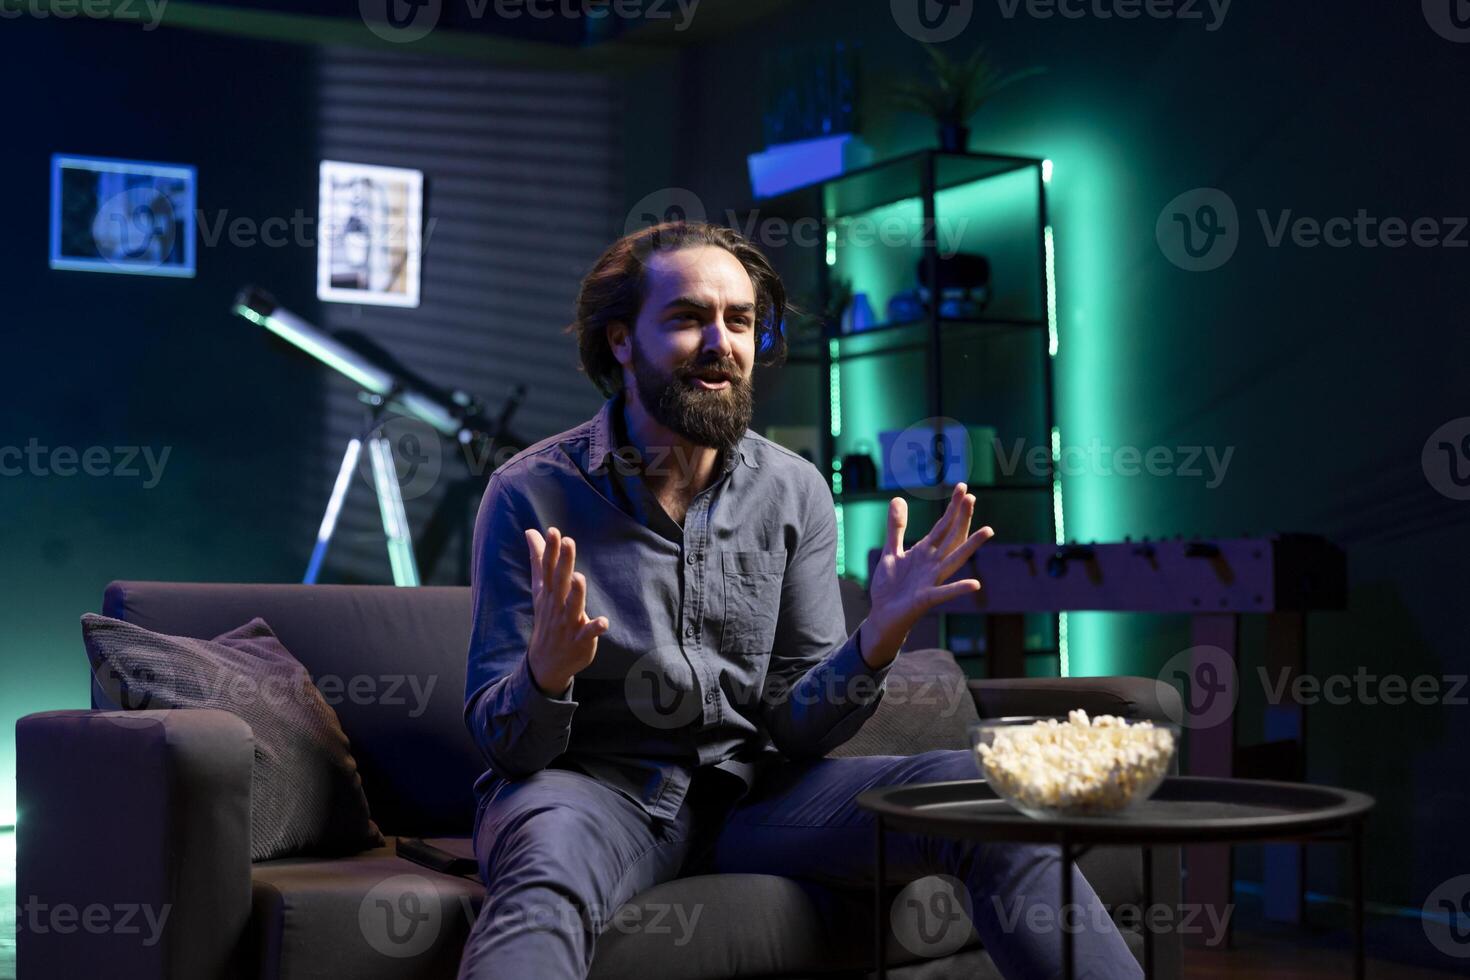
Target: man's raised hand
x=563, y=639
x=905, y=582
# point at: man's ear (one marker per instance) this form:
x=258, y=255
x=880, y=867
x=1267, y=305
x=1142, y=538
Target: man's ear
x=620, y=341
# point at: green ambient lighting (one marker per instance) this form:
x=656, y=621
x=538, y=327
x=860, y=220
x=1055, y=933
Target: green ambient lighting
x=1052, y=345
x=1089, y=202
x=7, y=850
x=1051, y=293
x=1063, y=654
x=834, y=394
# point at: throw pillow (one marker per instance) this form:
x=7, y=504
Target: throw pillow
x=305, y=792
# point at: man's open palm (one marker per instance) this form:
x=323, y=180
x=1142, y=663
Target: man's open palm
x=906, y=581
x=563, y=639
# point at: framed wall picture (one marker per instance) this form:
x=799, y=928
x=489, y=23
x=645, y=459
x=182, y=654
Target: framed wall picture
x=371, y=241
x=123, y=216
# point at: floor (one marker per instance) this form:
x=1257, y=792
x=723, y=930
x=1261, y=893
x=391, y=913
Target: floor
x=1256, y=956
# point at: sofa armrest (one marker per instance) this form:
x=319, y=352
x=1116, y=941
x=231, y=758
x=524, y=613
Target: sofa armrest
x=1139, y=698
x=133, y=843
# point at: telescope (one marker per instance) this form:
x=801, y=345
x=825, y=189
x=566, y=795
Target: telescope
x=386, y=384
x=450, y=413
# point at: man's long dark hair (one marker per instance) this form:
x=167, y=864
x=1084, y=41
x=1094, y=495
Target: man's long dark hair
x=614, y=291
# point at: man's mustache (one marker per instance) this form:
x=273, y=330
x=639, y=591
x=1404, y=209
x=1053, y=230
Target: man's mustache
x=728, y=370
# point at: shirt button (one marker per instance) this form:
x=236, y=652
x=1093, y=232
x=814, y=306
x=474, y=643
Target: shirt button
x=690, y=559
x=689, y=631
x=709, y=697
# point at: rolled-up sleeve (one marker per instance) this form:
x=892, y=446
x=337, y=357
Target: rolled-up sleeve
x=518, y=728
x=818, y=689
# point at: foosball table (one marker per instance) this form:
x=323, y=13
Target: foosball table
x=1215, y=582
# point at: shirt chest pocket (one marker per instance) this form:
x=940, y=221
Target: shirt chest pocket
x=752, y=582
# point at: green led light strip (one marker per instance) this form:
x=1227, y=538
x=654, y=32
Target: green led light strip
x=834, y=394
x=1052, y=345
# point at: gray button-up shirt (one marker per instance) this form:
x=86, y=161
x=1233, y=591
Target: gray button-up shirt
x=726, y=642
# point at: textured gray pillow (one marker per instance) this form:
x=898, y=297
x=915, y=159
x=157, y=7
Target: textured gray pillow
x=926, y=705
x=305, y=792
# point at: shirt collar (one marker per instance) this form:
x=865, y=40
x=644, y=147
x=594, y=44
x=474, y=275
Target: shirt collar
x=602, y=442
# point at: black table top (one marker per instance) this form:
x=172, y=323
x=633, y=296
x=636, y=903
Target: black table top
x=1184, y=809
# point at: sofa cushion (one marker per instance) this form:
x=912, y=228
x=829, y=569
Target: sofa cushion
x=372, y=916
x=926, y=705
x=390, y=662
x=377, y=916
x=305, y=794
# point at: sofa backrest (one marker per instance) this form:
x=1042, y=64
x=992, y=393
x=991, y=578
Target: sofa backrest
x=390, y=661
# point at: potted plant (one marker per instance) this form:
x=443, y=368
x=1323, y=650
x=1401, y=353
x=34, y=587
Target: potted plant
x=955, y=92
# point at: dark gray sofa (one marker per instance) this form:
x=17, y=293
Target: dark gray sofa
x=148, y=811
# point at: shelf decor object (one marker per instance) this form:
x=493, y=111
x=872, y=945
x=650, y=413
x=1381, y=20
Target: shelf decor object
x=955, y=91
x=914, y=225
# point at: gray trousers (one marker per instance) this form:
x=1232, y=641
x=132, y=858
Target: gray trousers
x=560, y=852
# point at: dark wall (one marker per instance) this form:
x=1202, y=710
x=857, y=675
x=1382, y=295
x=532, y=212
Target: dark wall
x=522, y=191
x=1326, y=369
x=121, y=361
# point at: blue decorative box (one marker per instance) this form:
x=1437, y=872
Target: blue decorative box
x=786, y=166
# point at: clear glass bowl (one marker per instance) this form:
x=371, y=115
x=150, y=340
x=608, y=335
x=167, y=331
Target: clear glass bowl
x=1072, y=770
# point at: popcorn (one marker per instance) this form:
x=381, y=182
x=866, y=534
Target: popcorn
x=1083, y=765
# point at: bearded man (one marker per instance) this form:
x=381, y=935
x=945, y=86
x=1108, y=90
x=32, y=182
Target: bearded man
x=659, y=661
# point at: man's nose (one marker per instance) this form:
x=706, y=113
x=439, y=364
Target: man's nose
x=717, y=339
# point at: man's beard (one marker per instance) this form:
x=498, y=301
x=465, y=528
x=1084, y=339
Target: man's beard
x=715, y=418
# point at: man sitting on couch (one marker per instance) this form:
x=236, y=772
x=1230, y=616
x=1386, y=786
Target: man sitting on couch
x=683, y=727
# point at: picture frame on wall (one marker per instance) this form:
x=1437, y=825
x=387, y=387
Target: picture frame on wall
x=371, y=245
x=132, y=217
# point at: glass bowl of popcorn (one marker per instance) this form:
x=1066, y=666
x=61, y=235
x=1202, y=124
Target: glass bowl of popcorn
x=1073, y=766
